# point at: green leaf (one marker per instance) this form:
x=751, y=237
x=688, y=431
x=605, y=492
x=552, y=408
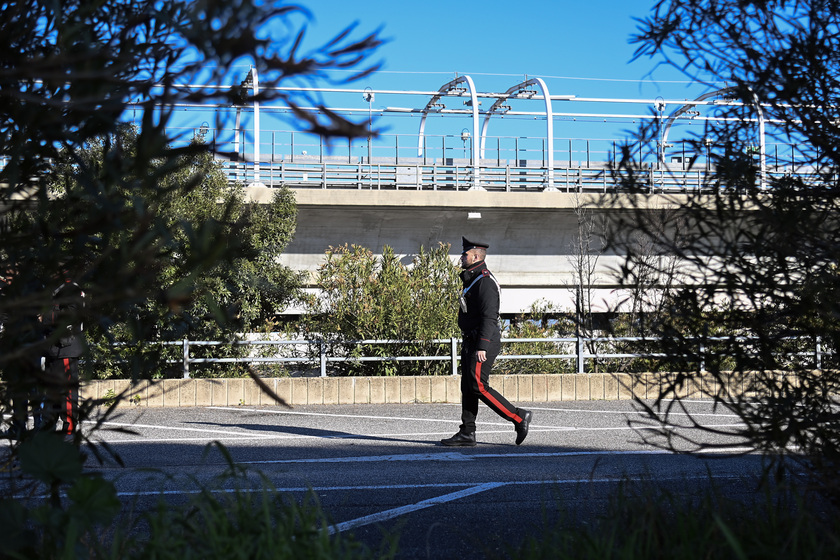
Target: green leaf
x=48, y=458
x=14, y=520
x=94, y=500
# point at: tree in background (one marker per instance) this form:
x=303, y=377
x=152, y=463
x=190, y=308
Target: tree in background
x=72, y=70
x=542, y=320
x=362, y=297
x=238, y=294
x=586, y=248
x=756, y=265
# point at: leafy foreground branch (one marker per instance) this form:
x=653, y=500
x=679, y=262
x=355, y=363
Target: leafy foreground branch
x=229, y=518
x=241, y=515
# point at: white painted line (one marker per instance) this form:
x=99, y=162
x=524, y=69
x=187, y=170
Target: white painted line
x=451, y=456
x=632, y=412
x=396, y=512
x=456, y=421
x=183, y=429
x=367, y=417
x=331, y=415
x=587, y=480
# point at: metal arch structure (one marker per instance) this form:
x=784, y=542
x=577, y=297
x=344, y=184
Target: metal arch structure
x=521, y=91
x=433, y=106
x=666, y=128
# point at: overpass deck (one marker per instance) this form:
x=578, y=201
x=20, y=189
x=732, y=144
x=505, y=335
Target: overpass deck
x=335, y=172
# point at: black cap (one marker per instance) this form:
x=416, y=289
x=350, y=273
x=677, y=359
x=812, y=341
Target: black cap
x=473, y=244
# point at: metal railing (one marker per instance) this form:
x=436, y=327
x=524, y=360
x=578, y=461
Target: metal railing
x=579, y=350
x=460, y=176
x=445, y=162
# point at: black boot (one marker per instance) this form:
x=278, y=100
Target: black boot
x=460, y=440
x=522, y=427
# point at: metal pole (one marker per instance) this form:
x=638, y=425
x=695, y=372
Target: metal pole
x=454, y=355
x=256, y=126
x=369, y=97
x=580, y=353
x=186, y=359
x=818, y=354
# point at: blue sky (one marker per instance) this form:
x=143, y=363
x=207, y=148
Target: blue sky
x=578, y=48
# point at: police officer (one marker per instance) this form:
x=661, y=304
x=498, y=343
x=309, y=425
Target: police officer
x=478, y=319
x=21, y=337
x=65, y=328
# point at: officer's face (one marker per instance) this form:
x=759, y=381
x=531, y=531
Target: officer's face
x=468, y=258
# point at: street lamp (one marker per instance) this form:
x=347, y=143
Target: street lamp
x=708, y=143
x=252, y=81
x=465, y=136
x=659, y=104
x=369, y=96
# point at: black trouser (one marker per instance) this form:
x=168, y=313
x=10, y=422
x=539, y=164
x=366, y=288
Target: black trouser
x=475, y=386
x=23, y=385
x=62, y=393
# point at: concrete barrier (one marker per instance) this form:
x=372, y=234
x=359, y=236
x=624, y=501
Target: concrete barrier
x=367, y=390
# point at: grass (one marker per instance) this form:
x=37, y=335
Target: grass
x=644, y=522
x=239, y=516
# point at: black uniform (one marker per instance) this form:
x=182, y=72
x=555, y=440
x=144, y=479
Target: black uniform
x=21, y=336
x=62, y=359
x=478, y=319
x=480, y=327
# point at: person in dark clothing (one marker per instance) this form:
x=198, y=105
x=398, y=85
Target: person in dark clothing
x=21, y=336
x=64, y=333
x=478, y=319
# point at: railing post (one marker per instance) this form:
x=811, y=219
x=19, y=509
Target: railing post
x=186, y=359
x=818, y=354
x=579, y=353
x=454, y=354
x=323, y=352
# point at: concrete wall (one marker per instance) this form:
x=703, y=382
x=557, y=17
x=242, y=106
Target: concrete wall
x=532, y=235
x=368, y=390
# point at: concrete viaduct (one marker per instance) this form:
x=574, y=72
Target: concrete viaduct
x=533, y=236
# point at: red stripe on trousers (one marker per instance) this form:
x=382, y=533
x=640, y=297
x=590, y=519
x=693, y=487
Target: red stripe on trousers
x=68, y=404
x=513, y=416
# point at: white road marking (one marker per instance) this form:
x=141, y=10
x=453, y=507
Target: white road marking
x=332, y=415
x=396, y=512
x=451, y=456
x=181, y=428
x=456, y=421
x=293, y=489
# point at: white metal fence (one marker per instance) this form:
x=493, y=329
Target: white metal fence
x=579, y=351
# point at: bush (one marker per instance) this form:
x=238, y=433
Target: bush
x=368, y=298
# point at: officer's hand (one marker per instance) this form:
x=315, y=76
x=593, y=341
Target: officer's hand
x=481, y=355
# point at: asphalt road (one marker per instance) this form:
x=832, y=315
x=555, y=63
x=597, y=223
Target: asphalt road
x=380, y=469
